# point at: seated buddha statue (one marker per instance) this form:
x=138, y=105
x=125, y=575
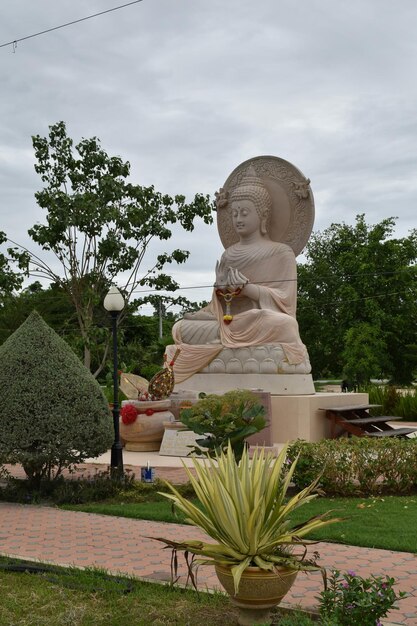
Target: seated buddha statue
x=254, y=297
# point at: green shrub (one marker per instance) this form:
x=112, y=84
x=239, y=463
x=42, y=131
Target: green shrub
x=357, y=466
x=99, y=487
x=401, y=404
x=231, y=417
x=351, y=599
x=53, y=413
x=102, y=487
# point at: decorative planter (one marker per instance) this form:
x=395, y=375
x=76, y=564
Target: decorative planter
x=146, y=432
x=259, y=591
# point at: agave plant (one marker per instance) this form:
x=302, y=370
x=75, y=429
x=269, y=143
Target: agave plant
x=244, y=508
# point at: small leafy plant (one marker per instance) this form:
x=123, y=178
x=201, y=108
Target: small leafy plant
x=222, y=419
x=350, y=599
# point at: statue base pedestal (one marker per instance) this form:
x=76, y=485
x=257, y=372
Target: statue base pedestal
x=299, y=417
x=277, y=384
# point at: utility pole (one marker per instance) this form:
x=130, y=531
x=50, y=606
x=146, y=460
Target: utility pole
x=160, y=318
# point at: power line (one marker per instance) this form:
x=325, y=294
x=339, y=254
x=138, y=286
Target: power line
x=318, y=280
x=69, y=328
x=14, y=42
x=291, y=280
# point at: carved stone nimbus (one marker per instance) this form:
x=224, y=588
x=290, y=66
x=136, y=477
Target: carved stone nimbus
x=292, y=217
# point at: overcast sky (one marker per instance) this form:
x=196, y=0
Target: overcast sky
x=188, y=89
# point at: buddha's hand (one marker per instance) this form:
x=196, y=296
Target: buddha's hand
x=221, y=276
x=236, y=279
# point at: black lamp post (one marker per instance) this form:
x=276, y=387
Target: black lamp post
x=114, y=303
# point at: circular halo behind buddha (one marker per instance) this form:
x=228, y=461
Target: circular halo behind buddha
x=292, y=215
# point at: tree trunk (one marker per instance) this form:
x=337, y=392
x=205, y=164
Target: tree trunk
x=87, y=357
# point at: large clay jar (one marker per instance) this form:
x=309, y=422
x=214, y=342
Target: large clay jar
x=259, y=591
x=146, y=432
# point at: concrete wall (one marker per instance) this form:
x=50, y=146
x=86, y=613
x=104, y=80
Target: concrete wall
x=300, y=417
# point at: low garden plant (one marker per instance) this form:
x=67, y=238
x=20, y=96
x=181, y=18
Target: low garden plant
x=401, y=403
x=223, y=420
x=85, y=490
x=350, y=599
x=357, y=465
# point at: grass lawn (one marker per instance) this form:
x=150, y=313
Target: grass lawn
x=387, y=522
x=62, y=597
x=90, y=598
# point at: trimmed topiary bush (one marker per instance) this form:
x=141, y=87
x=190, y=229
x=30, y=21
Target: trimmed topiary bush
x=53, y=413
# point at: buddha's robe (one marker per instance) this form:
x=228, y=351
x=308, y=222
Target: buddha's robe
x=270, y=320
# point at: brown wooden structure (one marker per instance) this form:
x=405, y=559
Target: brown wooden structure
x=356, y=420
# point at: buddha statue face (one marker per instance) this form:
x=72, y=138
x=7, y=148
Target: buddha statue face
x=253, y=200
x=245, y=218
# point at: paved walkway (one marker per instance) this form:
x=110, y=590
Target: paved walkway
x=123, y=545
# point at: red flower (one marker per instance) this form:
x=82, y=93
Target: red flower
x=129, y=414
x=149, y=411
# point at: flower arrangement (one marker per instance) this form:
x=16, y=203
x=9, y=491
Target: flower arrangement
x=146, y=397
x=129, y=414
x=350, y=599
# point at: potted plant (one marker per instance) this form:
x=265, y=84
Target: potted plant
x=243, y=506
x=224, y=419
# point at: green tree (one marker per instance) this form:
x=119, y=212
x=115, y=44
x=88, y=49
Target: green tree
x=99, y=226
x=9, y=280
x=52, y=303
x=53, y=413
x=360, y=277
x=365, y=353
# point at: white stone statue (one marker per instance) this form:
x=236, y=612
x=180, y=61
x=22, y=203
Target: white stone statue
x=249, y=329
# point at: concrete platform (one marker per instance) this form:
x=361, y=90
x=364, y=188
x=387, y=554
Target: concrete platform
x=301, y=416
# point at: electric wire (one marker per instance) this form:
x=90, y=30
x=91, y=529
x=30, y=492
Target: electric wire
x=14, y=42
x=332, y=303
x=318, y=279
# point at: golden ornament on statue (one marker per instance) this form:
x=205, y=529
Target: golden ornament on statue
x=162, y=383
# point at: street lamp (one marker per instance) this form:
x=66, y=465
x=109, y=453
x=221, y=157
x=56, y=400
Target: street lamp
x=114, y=303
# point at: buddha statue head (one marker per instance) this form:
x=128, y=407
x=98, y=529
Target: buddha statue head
x=252, y=189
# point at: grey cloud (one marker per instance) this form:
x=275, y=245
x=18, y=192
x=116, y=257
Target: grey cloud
x=187, y=90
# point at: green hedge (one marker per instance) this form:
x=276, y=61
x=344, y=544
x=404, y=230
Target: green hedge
x=357, y=466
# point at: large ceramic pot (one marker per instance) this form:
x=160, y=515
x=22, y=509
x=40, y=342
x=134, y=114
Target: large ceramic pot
x=259, y=591
x=146, y=432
